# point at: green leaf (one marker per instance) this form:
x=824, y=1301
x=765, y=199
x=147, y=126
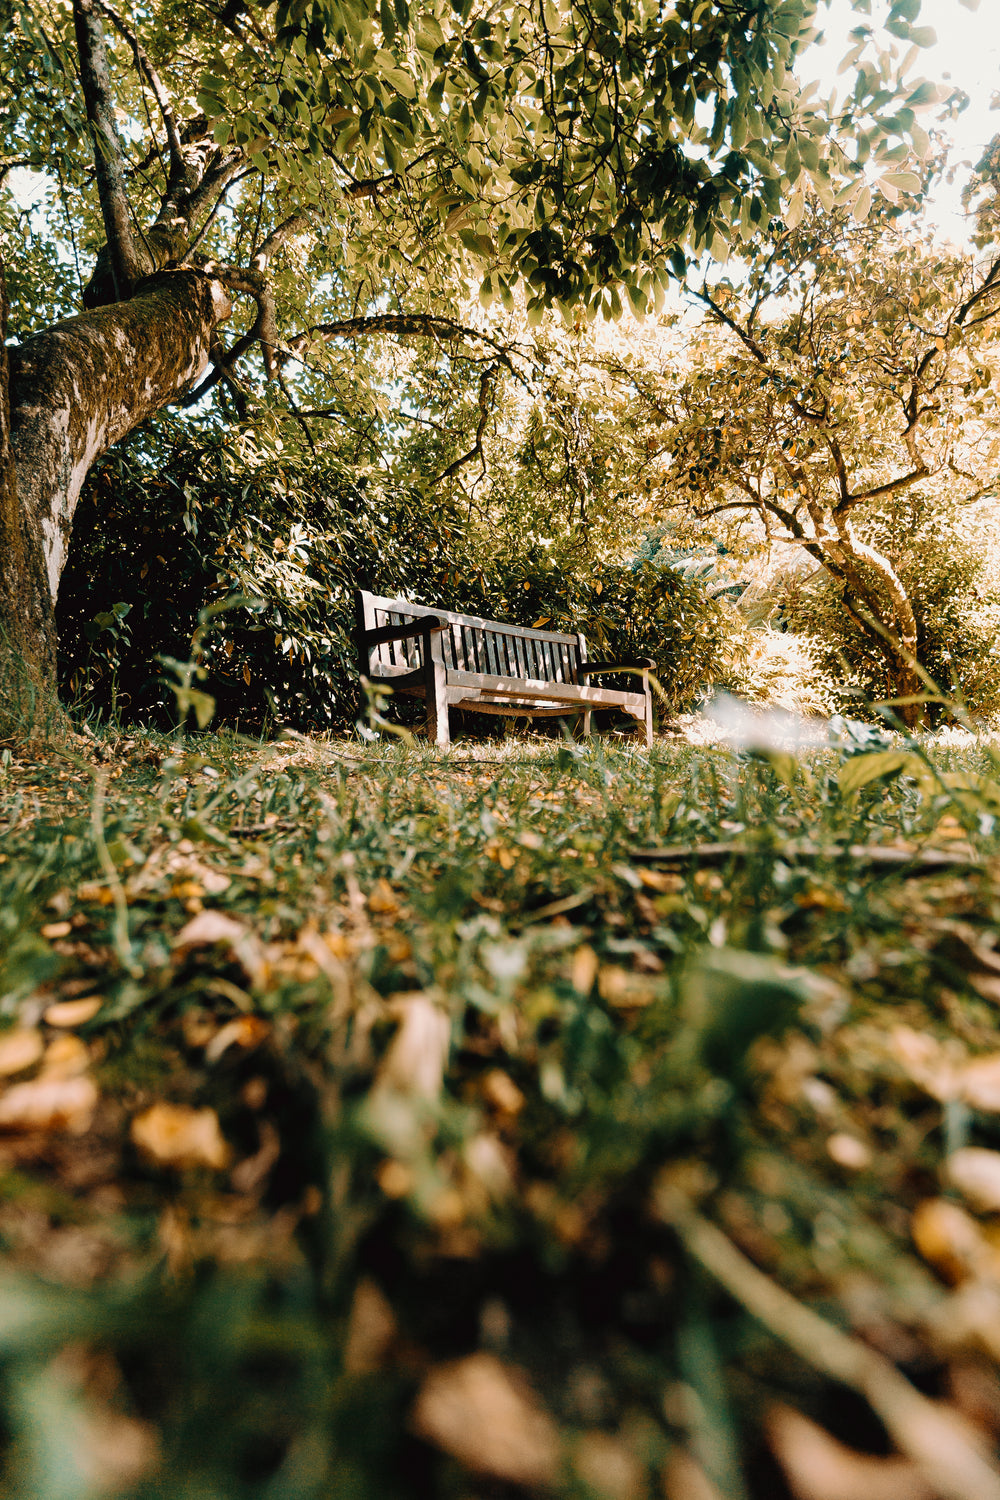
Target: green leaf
x=861, y=770
x=923, y=36
x=906, y=182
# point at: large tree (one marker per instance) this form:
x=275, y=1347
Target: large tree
x=851, y=365
x=337, y=169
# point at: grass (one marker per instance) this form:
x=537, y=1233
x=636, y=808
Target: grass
x=378, y=1122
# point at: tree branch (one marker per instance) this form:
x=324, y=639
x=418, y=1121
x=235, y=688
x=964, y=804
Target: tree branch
x=406, y=325
x=126, y=266
x=294, y=224
x=151, y=76
x=476, y=451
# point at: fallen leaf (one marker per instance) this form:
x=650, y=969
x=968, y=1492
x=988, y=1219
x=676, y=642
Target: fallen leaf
x=73, y=1012
x=208, y=928
x=818, y=1467
x=19, y=1050
x=502, y=1092
x=979, y=1084
x=383, y=898
x=371, y=1330
x=987, y=985
x=483, y=1413
x=847, y=1151
x=684, y=1479
x=585, y=966
x=214, y=928
x=175, y=1135
x=246, y=1032
x=50, y=1102
x=950, y=1240
x=608, y=1468
x=924, y=1060
x=57, y=929
x=65, y=1057
x=975, y=1172
x=626, y=990
x=415, y=1061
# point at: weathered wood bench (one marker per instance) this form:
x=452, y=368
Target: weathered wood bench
x=459, y=661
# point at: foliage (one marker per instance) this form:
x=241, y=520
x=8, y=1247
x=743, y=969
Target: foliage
x=939, y=555
x=406, y=1089
x=786, y=670
x=626, y=610
x=297, y=538
x=294, y=540
x=515, y=146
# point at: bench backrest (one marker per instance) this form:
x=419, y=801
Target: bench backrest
x=473, y=645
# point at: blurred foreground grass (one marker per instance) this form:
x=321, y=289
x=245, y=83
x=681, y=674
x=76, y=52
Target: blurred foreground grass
x=378, y=1123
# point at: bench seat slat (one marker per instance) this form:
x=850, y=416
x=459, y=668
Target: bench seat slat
x=526, y=687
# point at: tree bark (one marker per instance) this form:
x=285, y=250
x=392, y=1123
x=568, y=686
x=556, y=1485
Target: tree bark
x=28, y=700
x=66, y=395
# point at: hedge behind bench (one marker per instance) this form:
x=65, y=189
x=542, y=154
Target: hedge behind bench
x=167, y=538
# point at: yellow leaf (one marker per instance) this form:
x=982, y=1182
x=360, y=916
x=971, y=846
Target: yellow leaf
x=57, y=929
x=818, y=1467
x=949, y=1239
x=73, y=1012
x=175, y=1135
x=19, y=1050
x=975, y=1171
x=383, y=898
x=49, y=1102
x=484, y=1414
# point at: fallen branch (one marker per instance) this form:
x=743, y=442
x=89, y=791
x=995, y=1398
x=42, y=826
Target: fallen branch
x=917, y=862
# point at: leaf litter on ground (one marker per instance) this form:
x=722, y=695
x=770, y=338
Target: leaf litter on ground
x=374, y=1122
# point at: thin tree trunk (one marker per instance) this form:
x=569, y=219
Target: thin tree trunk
x=893, y=609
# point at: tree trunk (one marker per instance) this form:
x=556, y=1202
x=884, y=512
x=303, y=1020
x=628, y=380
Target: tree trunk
x=66, y=395
x=28, y=700
x=890, y=606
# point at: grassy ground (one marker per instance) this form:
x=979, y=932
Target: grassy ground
x=378, y=1123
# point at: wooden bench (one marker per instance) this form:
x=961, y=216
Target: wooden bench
x=459, y=661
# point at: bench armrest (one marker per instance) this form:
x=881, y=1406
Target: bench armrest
x=633, y=664
x=422, y=626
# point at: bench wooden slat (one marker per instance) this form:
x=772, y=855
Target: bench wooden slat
x=527, y=687
x=499, y=626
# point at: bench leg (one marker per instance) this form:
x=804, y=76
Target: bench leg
x=585, y=725
x=438, y=731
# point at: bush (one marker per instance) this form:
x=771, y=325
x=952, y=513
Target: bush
x=152, y=547
x=627, y=610
x=155, y=542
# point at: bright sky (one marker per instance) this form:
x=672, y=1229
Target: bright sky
x=966, y=56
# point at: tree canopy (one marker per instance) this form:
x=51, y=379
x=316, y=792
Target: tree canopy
x=315, y=174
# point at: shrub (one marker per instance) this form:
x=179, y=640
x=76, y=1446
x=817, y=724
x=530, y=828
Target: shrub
x=627, y=610
x=156, y=541
x=295, y=538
